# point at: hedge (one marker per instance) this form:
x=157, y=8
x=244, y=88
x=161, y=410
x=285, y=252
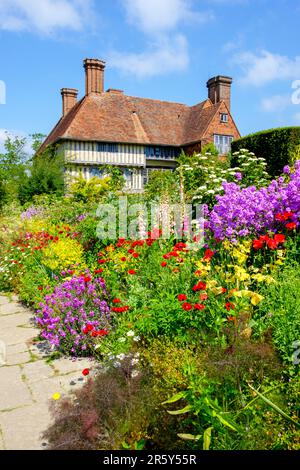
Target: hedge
x=279, y=147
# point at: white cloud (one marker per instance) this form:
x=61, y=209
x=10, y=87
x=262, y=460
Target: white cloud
x=4, y=133
x=157, y=16
x=169, y=54
x=44, y=16
x=266, y=67
x=167, y=50
x=276, y=103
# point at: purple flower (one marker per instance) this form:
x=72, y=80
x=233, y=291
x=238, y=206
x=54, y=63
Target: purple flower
x=250, y=211
x=63, y=314
x=238, y=176
x=286, y=170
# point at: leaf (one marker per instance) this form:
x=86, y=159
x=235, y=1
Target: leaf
x=207, y=438
x=189, y=437
x=125, y=445
x=275, y=407
x=175, y=398
x=227, y=422
x=139, y=445
x=186, y=409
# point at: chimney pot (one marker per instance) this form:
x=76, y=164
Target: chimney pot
x=69, y=99
x=219, y=89
x=94, y=75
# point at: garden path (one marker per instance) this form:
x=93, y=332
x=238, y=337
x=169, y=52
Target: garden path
x=27, y=381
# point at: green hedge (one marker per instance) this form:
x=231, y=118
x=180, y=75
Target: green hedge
x=279, y=147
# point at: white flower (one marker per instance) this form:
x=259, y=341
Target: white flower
x=120, y=356
x=134, y=373
x=210, y=191
x=136, y=338
x=137, y=354
x=117, y=364
x=134, y=362
x=122, y=339
x=130, y=333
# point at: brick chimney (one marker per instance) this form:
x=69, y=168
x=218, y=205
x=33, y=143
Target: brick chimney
x=219, y=89
x=69, y=99
x=94, y=75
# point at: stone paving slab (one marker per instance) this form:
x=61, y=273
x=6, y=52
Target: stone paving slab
x=22, y=428
x=11, y=308
x=36, y=371
x=28, y=382
x=14, y=392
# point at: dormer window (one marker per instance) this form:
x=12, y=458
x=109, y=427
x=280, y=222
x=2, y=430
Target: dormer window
x=223, y=117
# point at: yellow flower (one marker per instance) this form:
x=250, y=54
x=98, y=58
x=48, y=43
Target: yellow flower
x=256, y=298
x=63, y=254
x=56, y=396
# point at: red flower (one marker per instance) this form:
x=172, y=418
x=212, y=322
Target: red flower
x=123, y=259
x=87, y=278
x=135, y=255
x=85, y=371
x=40, y=287
x=130, y=251
x=258, y=244
x=163, y=264
x=208, y=254
x=88, y=328
x=102, y=332
x=203, y=296
x=232, y=318
x=229, y=306
x=186, y=306
x=101, y=261
x=174, y=254
x=199, y=286
x=167, y=256
x=131, y=271
x=264, y=238
x=223, y=290
x=279, y=238
x=291, y=225
x=98, y=271
x=116, y=300
x=181, y=297
x=180, y=246
x=272, y=244
x=199, y=307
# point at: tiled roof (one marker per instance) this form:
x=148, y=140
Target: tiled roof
x=115, y=117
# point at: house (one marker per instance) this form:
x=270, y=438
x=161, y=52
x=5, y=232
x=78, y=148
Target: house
x=137, y=134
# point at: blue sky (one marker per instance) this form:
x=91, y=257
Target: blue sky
x=162, y=49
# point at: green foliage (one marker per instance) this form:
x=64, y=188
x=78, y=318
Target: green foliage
x=279, y=147
x=89, y=191
x=44, y=175
x=281, y=310
x=162, y=184
x=252, y=169
x=12, y=168
x=203, y=175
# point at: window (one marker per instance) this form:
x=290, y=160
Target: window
x=223, y=143
x=101, y=147
x=164, y=153
x=127, y=173
x=95, y=171
x=223, y=117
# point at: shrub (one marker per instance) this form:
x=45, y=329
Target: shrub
x=63, y=254
x=75, y=314
x=117, y=410
x=282, y=313
x=279, y=147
